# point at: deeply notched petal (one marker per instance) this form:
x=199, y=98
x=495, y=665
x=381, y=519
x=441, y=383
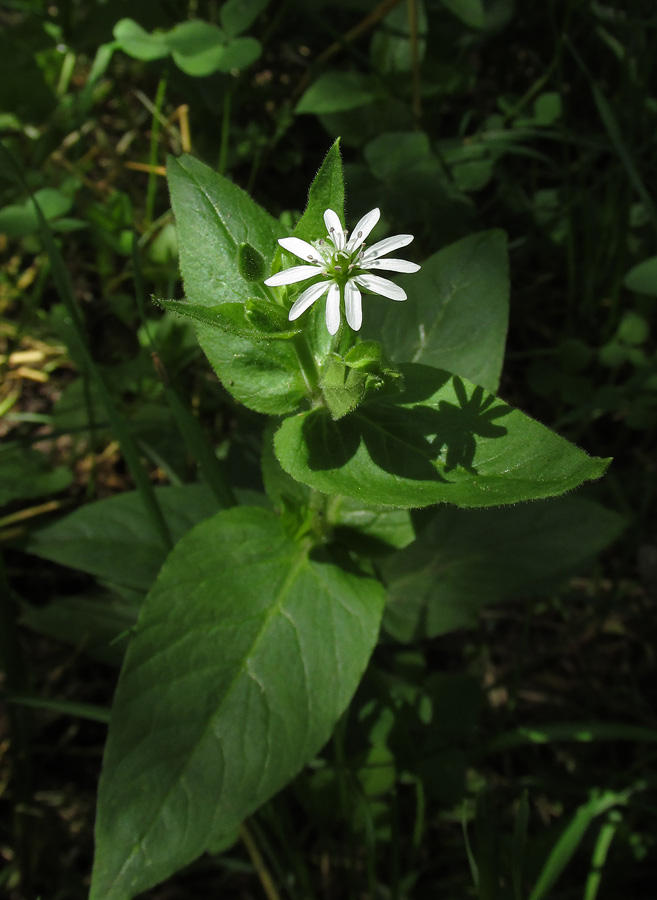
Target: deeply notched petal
x=394, y=265
x=387, y=245
x=301, y=304
x=302, y=249
x=381, y=286
x=353, y=306
x=292, y=275
x=335, y=229
x=363, y=229
x=333, y=309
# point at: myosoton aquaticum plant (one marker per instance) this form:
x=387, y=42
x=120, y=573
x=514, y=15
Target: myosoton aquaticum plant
x=262, y=620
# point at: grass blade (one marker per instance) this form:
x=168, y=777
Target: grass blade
x=571, y=838
x=77, y=332
x=616, y=137
x=600, y=852
x=65, y=707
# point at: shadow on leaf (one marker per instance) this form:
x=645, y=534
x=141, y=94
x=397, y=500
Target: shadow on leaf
x=415, y=441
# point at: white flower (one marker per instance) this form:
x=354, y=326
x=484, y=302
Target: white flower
x=344, y=266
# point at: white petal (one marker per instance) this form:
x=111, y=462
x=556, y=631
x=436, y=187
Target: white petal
x=334, y=228
x=363, y=228
x=333, y=309
x=392, y=265
x=353, y=306
x=387, y=245
x=301, y=304
x=292, y=275
x=302, y=249
x=381, y=286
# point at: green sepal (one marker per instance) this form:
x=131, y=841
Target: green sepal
x=250, y=263
x=363, y=373
x=258, y=320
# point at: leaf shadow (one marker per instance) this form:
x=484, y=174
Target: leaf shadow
x=406, y=440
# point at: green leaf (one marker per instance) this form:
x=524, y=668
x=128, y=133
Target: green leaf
x=465, y=559
x=115, y=539
x=444, y=440
x=138, y=43
x=97, y=624
x=395, y=48
x=335, y=92
x=250, y=263
x=363, y=372
x=246, y=653
x=326, y=192
x=24, y=475
x=239, y=54
x=19, y=219
x=415, y=187
x=200, y=48
x=371, y=531
x=197, y=47
x=343, y=388
x=456, y=315
x=238, y=15
x=633, y=329
x=214, y=217
x=471, y=12
x=548, y=108
x=642, y=278
x=195, y=38
x=257, y=320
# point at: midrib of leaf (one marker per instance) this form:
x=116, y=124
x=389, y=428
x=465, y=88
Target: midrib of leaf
x=301, y=557
x=428, y=333
x=398, y=440
x=255, y=287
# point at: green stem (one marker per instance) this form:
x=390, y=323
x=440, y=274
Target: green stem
x=307, y=365
x=155, y=134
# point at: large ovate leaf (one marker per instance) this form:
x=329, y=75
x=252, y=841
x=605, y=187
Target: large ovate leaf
x=247, y=651
x=642, y=278
x=115, y=539
x=335, y=92
x=214, y=218
x=457, y=311
x=443, y=440
x=467, y=558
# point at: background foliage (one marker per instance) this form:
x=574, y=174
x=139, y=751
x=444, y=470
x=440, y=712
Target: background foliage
x=505, y=748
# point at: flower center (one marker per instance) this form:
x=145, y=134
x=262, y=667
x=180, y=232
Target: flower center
x=341, y=266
